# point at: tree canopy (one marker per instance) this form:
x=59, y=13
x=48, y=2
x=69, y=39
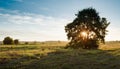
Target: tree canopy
x=8, y=40
x=16, y=41
x=87, y=29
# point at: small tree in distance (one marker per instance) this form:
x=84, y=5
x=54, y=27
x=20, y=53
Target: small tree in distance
x=16, y=41
x=87, y=30
x=26, y=43
x=8, y=40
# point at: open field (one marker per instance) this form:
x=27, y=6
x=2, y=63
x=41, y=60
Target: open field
x=52, y=55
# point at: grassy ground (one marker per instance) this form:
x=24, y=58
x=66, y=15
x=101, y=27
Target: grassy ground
x=52, y=55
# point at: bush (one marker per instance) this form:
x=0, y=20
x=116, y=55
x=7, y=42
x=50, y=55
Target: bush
x=16, y=41
x=26, y=43
x=7, y=41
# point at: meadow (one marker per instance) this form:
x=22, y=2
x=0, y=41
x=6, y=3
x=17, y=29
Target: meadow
x=53, y=55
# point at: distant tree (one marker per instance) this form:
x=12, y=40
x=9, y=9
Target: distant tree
x=16, y=41
x=26, y=43
x=7, y=40
x=87, y=30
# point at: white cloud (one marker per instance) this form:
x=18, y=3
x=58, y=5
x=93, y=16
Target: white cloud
x=28, y=26
x=32, y=19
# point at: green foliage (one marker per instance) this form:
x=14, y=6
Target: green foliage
x=8, y=40
x=16, y=41
x=87, y=29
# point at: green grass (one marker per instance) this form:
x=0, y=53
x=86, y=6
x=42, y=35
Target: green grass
x=52, y=55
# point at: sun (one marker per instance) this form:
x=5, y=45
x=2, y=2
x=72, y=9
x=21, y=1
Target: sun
x=84, y=34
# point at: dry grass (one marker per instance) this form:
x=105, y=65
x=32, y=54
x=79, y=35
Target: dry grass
x=54, y=56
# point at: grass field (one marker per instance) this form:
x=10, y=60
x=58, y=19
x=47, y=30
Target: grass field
x=52, y=55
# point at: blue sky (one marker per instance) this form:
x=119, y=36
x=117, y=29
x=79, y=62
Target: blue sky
x=43, y=20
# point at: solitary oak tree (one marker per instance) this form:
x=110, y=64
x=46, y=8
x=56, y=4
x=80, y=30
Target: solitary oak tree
x=87, y=30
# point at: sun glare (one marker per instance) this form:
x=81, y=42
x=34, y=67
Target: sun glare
x=84, y=34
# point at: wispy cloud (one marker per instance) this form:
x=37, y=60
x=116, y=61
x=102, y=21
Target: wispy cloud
x=8, y=11
x=19, y=0
x=27, y=18
x=48, y=27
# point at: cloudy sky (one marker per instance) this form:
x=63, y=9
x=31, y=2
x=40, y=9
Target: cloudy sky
x=43, y=20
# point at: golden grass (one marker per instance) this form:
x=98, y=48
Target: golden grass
x=54, y=56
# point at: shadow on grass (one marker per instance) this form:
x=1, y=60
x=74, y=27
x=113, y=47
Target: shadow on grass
x=68, y=59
